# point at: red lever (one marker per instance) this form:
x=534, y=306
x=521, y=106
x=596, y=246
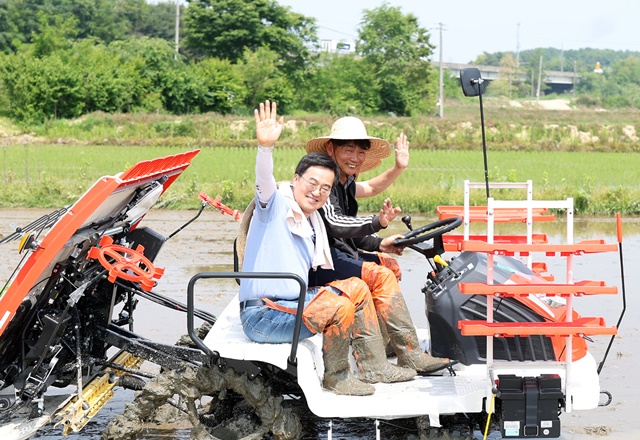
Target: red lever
x=619, y=226
x=216, y=203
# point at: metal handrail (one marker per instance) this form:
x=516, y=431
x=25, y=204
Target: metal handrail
x=238, y=275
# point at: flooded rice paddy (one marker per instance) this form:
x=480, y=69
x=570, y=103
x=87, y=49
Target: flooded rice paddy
x=206, y=245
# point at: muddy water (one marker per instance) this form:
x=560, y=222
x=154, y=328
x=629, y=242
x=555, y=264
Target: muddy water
x=206, y=245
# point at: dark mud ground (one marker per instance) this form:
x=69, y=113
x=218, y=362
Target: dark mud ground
x=206, y=245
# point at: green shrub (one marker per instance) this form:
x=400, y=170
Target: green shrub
x=219, y=87
x=41, y=88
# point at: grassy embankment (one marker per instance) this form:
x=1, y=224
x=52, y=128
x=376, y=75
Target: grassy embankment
x=589, y=155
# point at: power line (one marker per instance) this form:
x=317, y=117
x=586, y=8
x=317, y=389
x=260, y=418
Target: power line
x=338, y=32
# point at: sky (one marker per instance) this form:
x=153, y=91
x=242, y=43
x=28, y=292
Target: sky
x=473, y=27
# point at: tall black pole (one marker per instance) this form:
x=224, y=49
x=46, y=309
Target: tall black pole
x=484, y=142
x=624, y=291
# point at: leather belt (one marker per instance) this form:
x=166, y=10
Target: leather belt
x=250, y=303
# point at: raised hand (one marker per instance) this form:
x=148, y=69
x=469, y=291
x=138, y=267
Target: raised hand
x=402, y=151
x=268, y=127
x=388, y=212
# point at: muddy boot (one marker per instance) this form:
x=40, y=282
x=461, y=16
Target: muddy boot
x=406, y=345
x=369, y=351
x=393, y=313
x=388, y=349
x=367, y=341
x=337, y=374
x=373, y=364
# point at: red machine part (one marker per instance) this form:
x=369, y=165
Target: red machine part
x=216, y=203
x=126, y=263
x=32, y=272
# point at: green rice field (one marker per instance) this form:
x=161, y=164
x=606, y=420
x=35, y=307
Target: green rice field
x=55, y=175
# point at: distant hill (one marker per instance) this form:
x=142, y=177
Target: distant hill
x=580, y=60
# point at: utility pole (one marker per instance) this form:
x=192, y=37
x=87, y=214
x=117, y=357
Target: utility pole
x=533, y=83
x=539, y=79
x=518, y=47
x=575, y=75
x=441, y=81
x=175, y=55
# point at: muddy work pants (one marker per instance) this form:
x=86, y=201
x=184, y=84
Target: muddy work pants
x=274, y=321
x=381, y=273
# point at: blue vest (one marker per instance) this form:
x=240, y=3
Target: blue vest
x=271, y=247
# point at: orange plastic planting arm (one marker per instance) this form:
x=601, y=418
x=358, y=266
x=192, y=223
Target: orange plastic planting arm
x=580, y=248
x=581, y=326
x=501, y=215
x=452, y=241
x=581, y=288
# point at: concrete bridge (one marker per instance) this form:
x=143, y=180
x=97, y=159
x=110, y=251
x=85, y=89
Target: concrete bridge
x=559, y=82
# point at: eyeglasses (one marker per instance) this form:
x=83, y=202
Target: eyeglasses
x=313, y=185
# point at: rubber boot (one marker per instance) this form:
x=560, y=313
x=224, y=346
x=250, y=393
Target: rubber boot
x=333, y=316
x=406, y=345
x=388, y=349
x=373, y=364
x=337, y=374
x=393, y=312
x=392, y=264
x=367, y=345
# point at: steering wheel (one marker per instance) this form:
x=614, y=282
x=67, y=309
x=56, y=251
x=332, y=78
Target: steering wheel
x=126, y=263
x=427, y=232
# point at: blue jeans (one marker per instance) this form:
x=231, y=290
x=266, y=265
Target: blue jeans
x=263, y=324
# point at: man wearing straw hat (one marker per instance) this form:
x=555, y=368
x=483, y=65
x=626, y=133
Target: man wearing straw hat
x=349, y=235
x=286, y=234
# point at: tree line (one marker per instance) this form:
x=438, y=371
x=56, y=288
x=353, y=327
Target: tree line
x=64, y=58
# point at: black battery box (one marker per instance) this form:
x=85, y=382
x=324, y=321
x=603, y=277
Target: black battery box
x=530, y=406
x=149, y=239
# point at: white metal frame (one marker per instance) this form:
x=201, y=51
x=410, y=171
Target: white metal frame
x=529, y=205
x=528, y=185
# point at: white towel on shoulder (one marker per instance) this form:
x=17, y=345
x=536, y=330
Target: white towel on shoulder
x=298, y=224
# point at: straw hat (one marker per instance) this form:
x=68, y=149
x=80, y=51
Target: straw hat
x=243, y=231
x=352, y=128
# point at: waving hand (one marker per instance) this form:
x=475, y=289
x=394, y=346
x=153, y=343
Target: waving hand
x=268, y=127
